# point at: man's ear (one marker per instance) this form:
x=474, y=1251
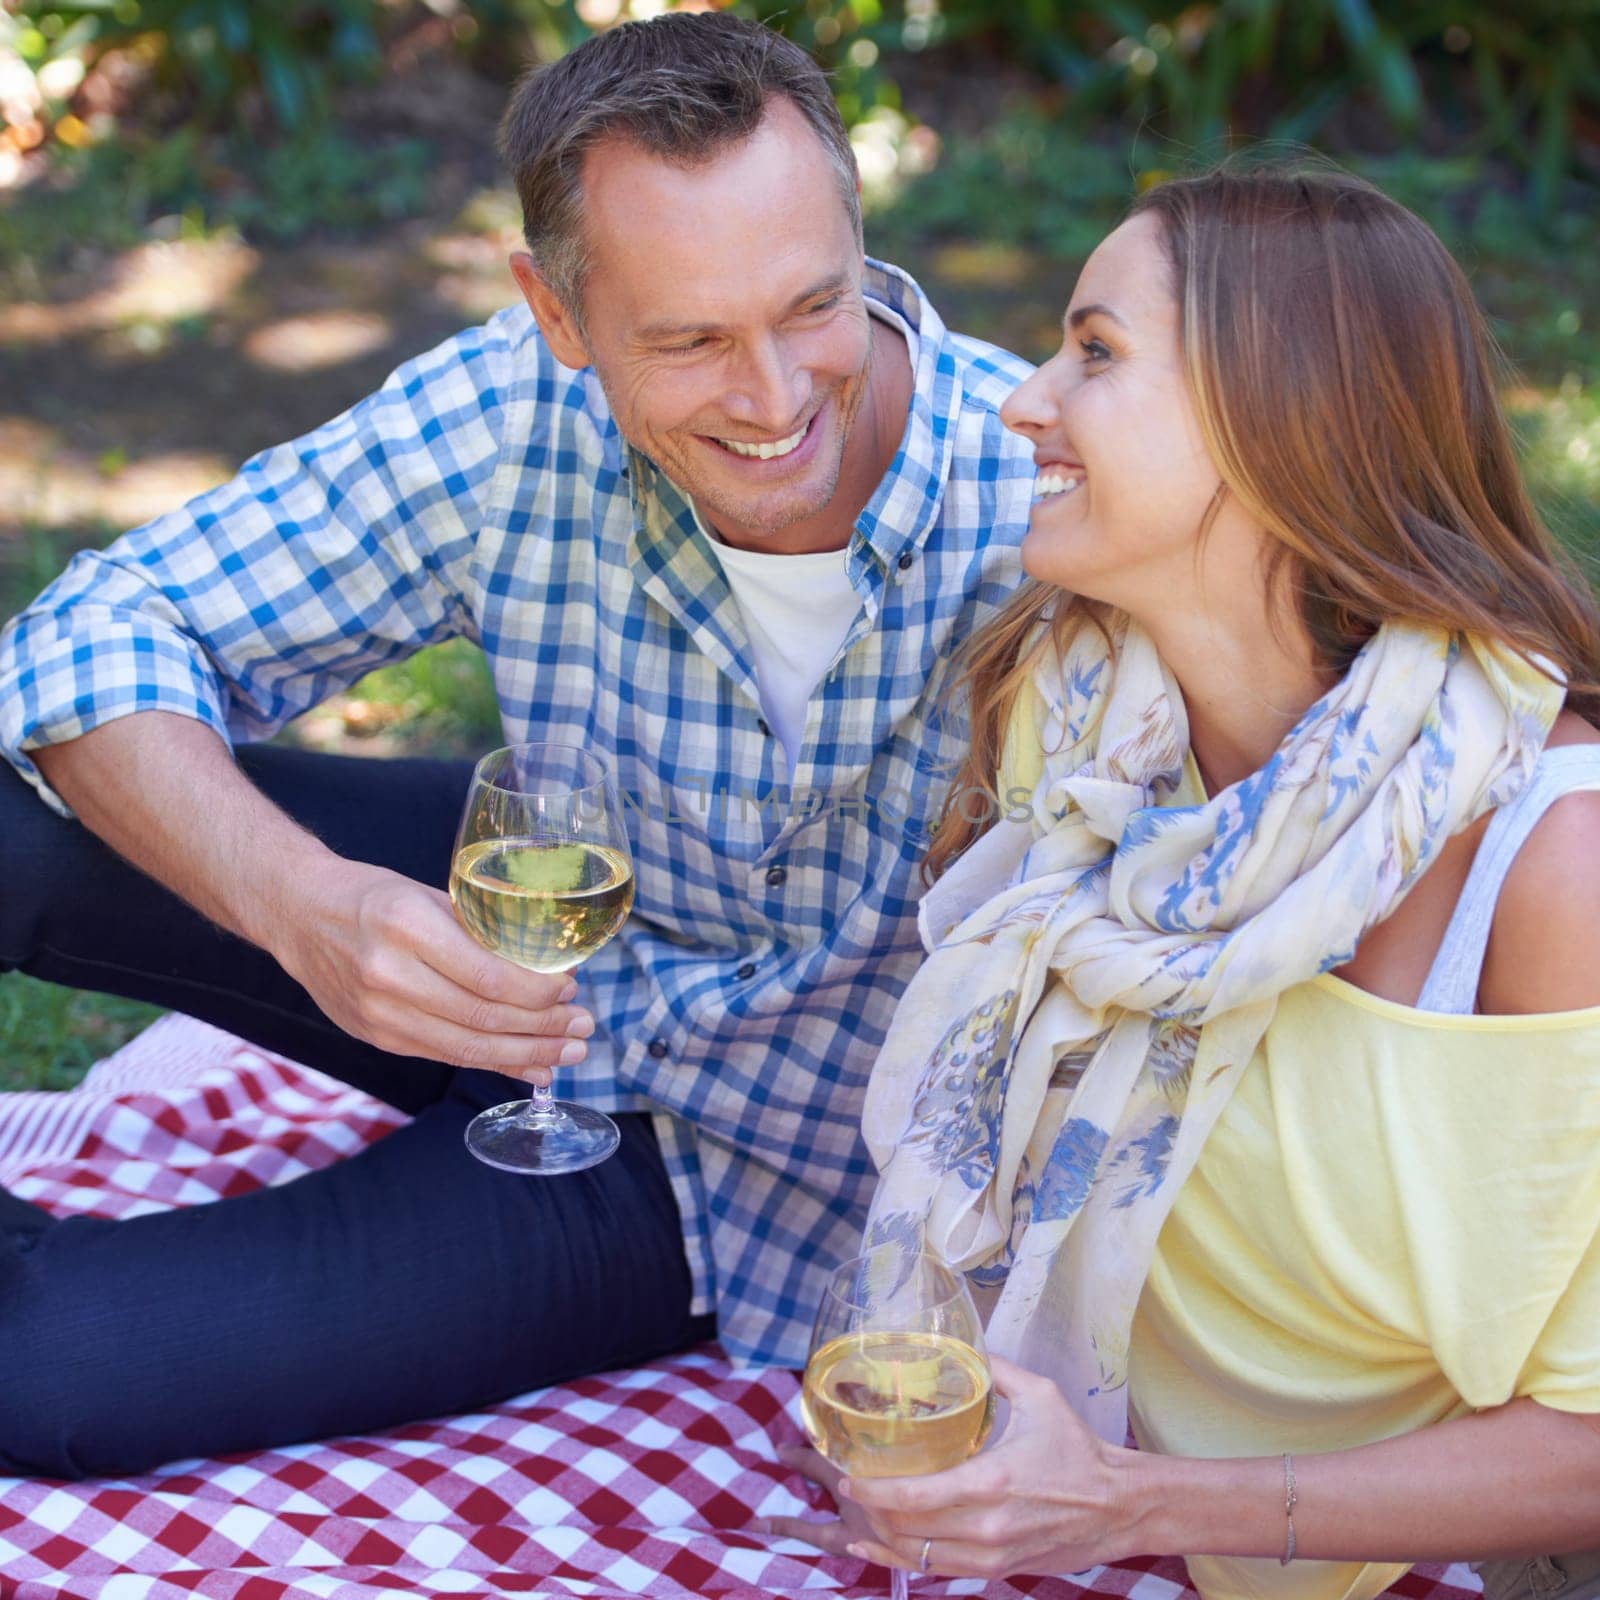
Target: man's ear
x=556, y=322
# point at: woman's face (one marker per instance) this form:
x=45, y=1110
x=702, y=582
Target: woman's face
x=1124, y=478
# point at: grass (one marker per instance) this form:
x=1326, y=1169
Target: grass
x=50, y=1036
x=440, y=702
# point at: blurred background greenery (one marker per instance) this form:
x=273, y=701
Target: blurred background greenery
x=221, y=222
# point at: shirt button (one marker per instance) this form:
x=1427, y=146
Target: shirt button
x=906, y=558
x=777, y=876
x=658, y=1048
x=761, y=723
x=748, y=970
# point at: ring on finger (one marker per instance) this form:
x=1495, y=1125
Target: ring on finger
x=922, y=1565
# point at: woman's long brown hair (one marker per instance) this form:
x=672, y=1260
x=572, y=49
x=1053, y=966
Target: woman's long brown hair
x=1344, y=382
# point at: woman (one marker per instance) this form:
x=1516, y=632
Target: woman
x=1262, y=1103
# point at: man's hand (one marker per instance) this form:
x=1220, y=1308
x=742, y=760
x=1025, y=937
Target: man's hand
x=386, y=959
x=383, y=956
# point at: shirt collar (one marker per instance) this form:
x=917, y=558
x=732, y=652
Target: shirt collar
x=905, y=505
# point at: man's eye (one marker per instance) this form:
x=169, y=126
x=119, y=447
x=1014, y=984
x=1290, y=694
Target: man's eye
x=824, y=305
x=1094, y=350
x=687, y=348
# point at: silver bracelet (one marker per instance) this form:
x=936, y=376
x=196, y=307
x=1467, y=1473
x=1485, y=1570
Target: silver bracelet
x=1290, y=1499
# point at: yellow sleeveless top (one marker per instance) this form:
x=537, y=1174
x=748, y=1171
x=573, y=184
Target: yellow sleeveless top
x=1395, y=1220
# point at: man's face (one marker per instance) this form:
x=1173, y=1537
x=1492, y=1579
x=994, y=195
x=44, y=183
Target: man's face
x=725, y=320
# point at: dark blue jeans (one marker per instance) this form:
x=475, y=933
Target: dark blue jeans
x=405, y=1282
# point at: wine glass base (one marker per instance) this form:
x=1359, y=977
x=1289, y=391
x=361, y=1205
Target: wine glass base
x=567, y=1138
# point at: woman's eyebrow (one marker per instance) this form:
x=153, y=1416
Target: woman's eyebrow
x=1076, y=318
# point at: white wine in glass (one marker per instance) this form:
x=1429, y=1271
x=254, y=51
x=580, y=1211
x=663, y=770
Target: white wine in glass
x=542, y=875
x=540, y=903
x=897, y=1383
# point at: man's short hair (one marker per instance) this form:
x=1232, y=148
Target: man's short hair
x=681, y=86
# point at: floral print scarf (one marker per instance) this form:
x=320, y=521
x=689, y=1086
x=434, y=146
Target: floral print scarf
x=1102, y=971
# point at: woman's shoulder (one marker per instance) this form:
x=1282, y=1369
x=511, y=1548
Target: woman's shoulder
x=1544, y=948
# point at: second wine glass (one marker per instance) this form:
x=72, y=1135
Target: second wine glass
x=897, y=1383
x=543, y=876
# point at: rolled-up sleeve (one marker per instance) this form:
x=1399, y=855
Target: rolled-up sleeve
x=322, y=559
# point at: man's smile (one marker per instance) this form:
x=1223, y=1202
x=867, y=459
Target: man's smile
x=770, y=457
x=764, y=452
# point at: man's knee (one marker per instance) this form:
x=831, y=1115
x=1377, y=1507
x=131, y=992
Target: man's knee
x=62, y=1382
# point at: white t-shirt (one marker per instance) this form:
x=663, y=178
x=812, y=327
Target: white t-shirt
x=797, y=610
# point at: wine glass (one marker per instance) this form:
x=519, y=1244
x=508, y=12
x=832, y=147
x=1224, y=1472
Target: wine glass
x=543, y=876
x=897, y=1382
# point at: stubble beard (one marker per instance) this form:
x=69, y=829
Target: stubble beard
x=847, y=428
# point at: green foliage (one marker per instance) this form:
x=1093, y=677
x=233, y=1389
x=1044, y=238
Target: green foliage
x=106, y=197
x=1515, y=85
x=227, y=57
x=1511, y=82
x=327, y=178
x=28, y=564
x=49, y=1036
x=1558, y=438
x=441, y=700
x=1029, y=179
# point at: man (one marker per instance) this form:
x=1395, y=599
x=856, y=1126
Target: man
x=718, y=503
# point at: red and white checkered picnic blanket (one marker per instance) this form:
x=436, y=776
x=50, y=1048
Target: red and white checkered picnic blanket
x=634, y=1483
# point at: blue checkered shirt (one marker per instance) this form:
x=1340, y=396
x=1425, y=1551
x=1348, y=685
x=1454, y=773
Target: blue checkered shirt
x=485, y=491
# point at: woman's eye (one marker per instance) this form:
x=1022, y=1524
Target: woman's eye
x=1094, y=350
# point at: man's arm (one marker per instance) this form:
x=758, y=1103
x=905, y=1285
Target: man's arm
x=383, y=956
x=322, y=558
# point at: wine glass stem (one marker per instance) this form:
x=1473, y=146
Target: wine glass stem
x=541, y=1103
x=897, y=1584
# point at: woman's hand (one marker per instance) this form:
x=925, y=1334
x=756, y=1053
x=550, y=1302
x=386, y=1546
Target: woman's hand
x=850, y=1527
x=1051, y=1497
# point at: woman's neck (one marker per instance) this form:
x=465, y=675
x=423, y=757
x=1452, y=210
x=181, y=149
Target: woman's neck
x=1243, y=686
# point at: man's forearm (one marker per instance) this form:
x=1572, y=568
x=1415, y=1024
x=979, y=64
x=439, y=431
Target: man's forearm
x=164, y=792
x=1520, y=1480
x=382, y=956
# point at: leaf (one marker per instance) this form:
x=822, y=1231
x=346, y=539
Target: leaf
x=233, y=27
x=1552, y=147
x=284, y=84
x=1306, y=120
x=1359, y=27
x=1397, y=82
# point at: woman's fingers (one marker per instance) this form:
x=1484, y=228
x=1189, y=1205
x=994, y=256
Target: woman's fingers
x=973, y=1524
x=811, y=1464
x=1018, y=1383
x=975, y=1482
x=947, y=1558
x=831, y=1536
